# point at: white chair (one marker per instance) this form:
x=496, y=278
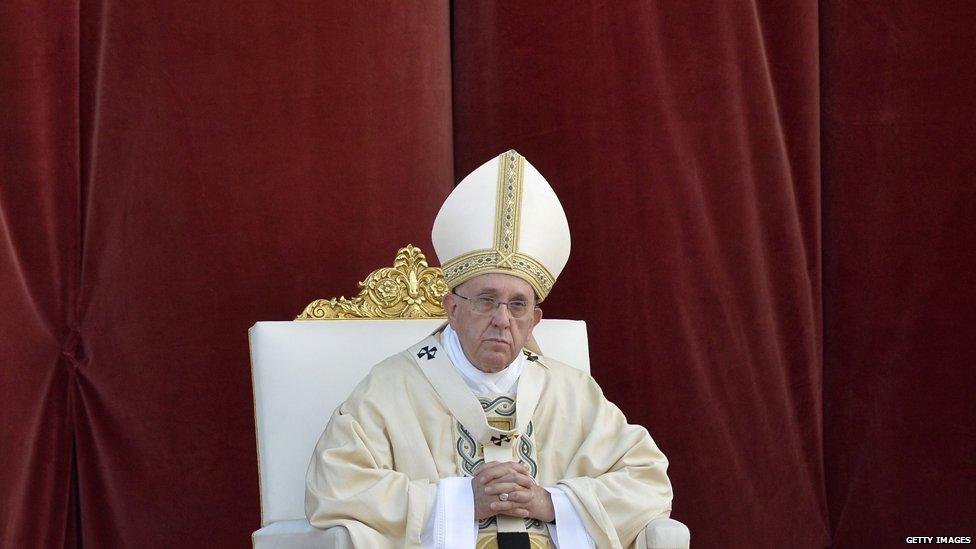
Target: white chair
x=303, y=369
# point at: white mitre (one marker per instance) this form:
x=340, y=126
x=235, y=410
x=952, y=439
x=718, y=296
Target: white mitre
x=503, y=218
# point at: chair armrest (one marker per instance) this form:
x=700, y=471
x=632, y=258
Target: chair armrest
x=299, y=534
x=667, y=533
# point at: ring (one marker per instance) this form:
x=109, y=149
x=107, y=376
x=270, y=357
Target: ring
x=503, y=497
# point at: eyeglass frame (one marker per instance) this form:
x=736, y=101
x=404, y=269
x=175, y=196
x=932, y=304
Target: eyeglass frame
x=498, y=303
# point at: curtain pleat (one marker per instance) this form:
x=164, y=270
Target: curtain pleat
x=39, y=249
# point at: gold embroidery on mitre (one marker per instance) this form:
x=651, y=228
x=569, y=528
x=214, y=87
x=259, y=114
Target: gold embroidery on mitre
x=504, y=254
x=471, y=264
x=508, y=203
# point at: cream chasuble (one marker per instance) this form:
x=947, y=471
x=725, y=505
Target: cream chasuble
x=451, y=525
x=376, y=467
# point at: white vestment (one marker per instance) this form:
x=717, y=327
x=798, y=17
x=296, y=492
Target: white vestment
x=451, y=524
x=394, y=465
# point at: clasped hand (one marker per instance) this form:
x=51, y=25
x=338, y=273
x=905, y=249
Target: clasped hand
x=525, y=499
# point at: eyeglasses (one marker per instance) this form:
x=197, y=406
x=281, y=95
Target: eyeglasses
x=486, y=305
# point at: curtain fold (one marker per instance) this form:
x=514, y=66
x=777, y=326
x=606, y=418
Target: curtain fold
x=39, y=248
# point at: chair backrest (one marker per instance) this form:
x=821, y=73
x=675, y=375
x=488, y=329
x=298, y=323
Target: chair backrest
x=302, y=370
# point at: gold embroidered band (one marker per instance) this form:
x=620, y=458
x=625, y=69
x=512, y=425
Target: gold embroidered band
x=508, y=205
x=470, y=265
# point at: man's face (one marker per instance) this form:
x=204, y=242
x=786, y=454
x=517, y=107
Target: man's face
x=491, y=341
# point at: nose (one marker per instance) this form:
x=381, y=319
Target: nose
x=499, y=318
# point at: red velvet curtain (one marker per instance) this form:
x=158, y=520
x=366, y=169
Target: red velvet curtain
x=40, y=247
x=171, y=173
x=683, y=144
x=899, y=120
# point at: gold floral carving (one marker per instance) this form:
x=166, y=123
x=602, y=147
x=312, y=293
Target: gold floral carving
x=409, y=289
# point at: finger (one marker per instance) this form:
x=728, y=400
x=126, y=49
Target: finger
x=521, y=468
x=486, y=472
x=516, y=478
x=502, y=487
x=511, y=466
x=507, y=507
x=486, y=466
x=523, y=497
x=495, y=470
x=516, y=467
x=525, y=481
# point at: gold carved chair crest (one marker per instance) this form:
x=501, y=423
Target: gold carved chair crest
x=409, y=289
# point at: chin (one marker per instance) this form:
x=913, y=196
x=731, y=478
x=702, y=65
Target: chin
x=493, y=363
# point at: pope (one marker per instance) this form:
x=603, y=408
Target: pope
x=473, y=438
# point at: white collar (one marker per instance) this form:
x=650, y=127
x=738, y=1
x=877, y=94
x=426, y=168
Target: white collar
x=478, y=381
